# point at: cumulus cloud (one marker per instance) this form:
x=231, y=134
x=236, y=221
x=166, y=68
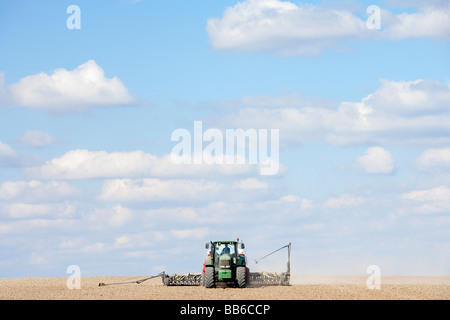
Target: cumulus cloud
x=437, y=158
x=285, y=208
x=431, y=20
x=37, y=225
x=287, y=28
x=281, y=26
x=184, y=214
x=97, y=247
x=10, y=158
x=376, y=160
x=435, y=200
x=7, y=154
x=112, y=217
x=343, y=201
x=406, y=112
x=3, y=95
x=148, y=190
x=122, y=242
x=36, y=191
x=410, y=98
x=36, y=199
x=85, y=164
x=69, y=90
x=196, y=233
x=33, y=210
x=250, y=183
x=36, y=138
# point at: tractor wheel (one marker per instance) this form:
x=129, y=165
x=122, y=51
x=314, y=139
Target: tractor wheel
x=241, y=277
x=209, y=277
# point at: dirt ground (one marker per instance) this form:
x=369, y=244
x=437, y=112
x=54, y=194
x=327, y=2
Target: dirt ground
x=301, y=288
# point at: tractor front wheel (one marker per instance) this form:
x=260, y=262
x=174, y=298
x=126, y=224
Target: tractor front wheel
x=209, y=277
x=241, y=277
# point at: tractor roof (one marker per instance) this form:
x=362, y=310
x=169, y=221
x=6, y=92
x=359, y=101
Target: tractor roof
x=225, y=241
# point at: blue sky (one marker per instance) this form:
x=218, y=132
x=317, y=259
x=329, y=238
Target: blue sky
x=86, y=118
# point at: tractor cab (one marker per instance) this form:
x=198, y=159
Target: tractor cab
x=224, y=249
x=225, y=259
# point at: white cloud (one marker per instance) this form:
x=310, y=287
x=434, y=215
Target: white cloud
x=119, y=216
x=410, y=97
x=36, y=191
x=3, y=94
x=250, y=183
x=122, y=242
x=37, y=259
x=35, y=199
x=84, y=164
x=97, y=247
x=69, y=90
x=36, y=138
x=33, y=210
x=70, y=244
x=406, y=112
x=185, y=214
x=434, y=158
x=291, y=199
x=376, y=160
x=345, y=200
x=436, y=194
x=8, y=156
x=281, y=26
x=6, y=152
x=430, y=21
x=33, y=226
x=143, y=190
x=266, y=101
x=433, y=200
x=196, y=233
x=201, y=213
x=287, y=28
x=115, y=217
x=285, y=208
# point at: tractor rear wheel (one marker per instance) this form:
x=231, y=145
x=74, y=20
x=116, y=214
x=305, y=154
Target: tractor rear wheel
x=209, y=277
x=241, y=277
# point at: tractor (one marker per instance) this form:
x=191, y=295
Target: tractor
x=226, y=264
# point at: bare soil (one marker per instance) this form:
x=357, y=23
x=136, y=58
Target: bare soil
x=301, y=288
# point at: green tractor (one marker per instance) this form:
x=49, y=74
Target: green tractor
x=226, y=264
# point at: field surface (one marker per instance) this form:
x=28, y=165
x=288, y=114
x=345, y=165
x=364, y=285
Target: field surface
x=302, y=288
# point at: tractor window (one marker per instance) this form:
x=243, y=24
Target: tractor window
x=222, y=248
